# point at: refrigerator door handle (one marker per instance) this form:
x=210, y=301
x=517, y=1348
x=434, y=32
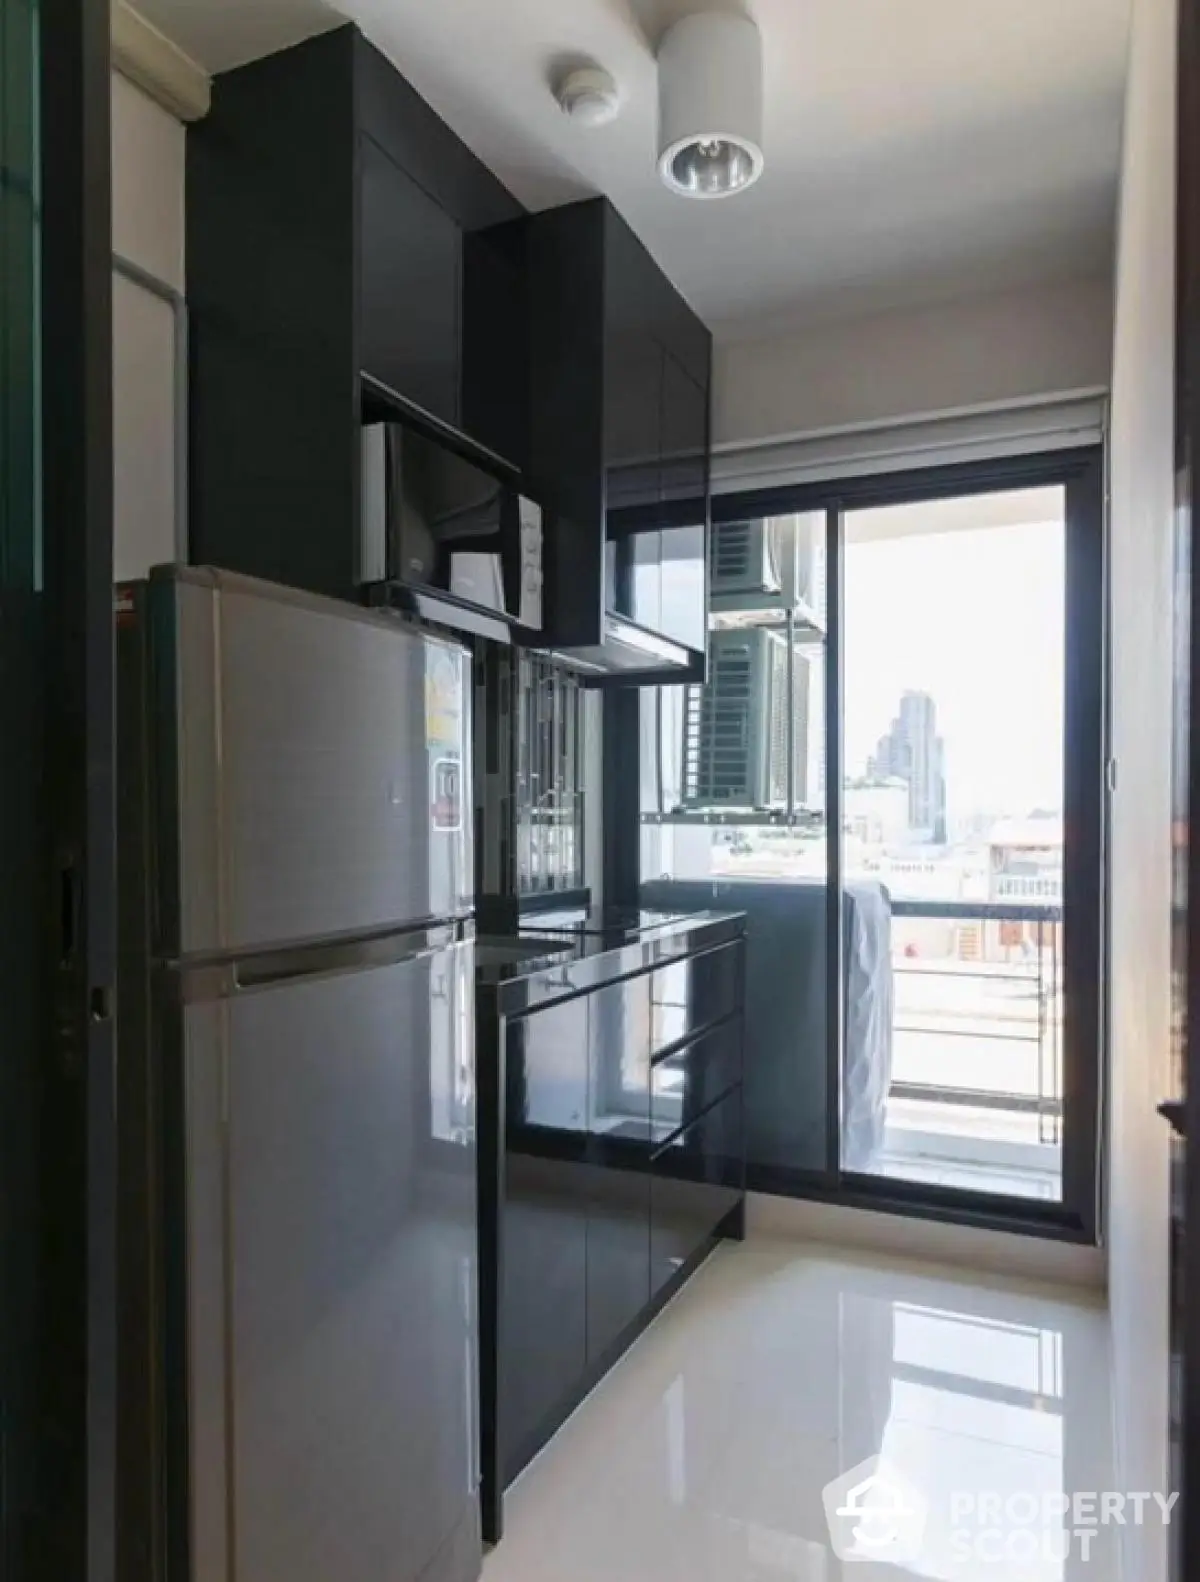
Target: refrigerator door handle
x=216, y=981
x=255, y=972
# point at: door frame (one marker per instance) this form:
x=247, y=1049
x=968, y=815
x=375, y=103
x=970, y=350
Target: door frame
x=1080, y=471
x=70, y=1528
x=1184, y=1387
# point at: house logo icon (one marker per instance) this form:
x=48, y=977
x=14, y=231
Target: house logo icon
x=874, y=1514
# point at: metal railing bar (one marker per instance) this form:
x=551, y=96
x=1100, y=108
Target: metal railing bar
x=980, y=911
x=963, y=1032
x=938, y=972
x=978, y=1098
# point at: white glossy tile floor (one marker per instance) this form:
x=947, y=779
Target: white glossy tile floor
x=703, y=1456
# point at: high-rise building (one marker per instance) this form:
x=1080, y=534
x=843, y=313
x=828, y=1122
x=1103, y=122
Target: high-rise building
x=913, y=751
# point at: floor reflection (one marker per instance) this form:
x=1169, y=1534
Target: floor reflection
x=704, y=1456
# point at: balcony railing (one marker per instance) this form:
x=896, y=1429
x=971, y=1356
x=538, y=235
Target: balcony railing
x=978, y=1026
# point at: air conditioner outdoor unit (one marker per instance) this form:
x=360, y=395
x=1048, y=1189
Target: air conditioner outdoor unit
x=772, y=556
x=735, y=728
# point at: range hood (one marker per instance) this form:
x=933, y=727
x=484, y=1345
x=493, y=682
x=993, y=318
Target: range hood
x=629, y=652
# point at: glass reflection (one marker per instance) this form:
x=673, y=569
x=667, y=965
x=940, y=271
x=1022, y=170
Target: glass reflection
x=780, y=1372
x=452, y=1045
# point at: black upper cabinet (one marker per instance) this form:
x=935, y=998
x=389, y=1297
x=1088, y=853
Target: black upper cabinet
x=619, y=445
x=633, y=403
x=349, y=257
x=336, y=227
x=495, y=340
x=684, y=445
x=411, y=261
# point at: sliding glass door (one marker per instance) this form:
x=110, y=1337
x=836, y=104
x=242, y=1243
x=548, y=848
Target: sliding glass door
x=953, y=696
x=733, y=809
x=896, y=771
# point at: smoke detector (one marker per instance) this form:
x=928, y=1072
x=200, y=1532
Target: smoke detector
x=710, y=105
x=589, y=95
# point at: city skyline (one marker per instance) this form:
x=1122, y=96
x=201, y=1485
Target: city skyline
x=974, y=619
x=912, y=751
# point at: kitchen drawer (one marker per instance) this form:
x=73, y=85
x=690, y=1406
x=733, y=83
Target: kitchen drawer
x=692, y=994
x=684, y=1084
x=694, y=1183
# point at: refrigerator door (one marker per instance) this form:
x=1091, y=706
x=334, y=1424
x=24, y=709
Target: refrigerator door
x=317, y=765
x=330, y=1271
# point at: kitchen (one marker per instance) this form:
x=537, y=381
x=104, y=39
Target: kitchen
x=420, y=1134
x=452, y=1121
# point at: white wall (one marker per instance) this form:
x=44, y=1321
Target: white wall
x=1141, y=518
x=148, y=230
x=995, y=348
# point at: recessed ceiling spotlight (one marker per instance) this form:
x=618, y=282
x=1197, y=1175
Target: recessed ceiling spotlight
x=589, y=95
x=710, y=105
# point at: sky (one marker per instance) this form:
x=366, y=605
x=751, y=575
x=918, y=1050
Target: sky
x=974, y=618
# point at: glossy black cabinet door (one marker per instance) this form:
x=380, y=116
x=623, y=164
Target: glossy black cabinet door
x=693, y=994
x=273, y=468
x=327, y=206
x=495, y=342
x=633, y=395
x=683, y=1085
x=694, y=1183
x=618, y=1232
x=411, y=261
x=618, y=397
x=684, y=442
x=684, y=539
x=544, y=1233
x=656, y=473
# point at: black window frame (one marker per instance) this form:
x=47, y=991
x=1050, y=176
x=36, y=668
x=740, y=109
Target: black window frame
x=1079, y=472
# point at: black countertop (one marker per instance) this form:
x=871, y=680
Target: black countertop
x=588, y=954
x=616, y=924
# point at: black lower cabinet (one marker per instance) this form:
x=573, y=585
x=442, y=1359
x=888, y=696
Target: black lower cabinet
x=618, y=1237
x=618, y=1170
x=544, y=1347
x=618, y=1249
x=694, y=993
x=696, y=1181
x=543, y=1282
x=686, y=1082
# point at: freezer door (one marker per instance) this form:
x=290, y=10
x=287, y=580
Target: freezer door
x=331, y=1277
x=319, y=764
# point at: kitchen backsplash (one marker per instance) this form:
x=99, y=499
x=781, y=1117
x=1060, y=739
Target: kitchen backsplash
x=529, y=775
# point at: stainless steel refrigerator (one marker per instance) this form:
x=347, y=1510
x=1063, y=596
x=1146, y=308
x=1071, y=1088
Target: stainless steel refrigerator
x=296, y=1094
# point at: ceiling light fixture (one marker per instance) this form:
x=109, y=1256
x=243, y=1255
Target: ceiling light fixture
x=710, y=105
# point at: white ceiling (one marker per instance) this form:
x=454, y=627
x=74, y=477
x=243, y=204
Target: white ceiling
x=916, y=149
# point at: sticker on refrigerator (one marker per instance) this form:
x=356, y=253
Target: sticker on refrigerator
x=446, y=797
x=443, y=696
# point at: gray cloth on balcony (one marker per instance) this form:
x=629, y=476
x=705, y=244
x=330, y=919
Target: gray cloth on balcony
x=787, y=992
x=867, y=1061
